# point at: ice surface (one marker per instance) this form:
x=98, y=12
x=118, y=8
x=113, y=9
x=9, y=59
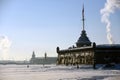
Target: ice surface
x=55, y=72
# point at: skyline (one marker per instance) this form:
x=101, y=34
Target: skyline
x=42, y=25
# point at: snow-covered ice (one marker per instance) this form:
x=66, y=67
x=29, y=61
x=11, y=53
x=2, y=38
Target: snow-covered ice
x=55, y=72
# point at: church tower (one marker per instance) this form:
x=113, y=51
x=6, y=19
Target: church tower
x=45, y=55
x=83, y=39
x=33, y=55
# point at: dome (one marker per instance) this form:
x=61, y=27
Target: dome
x=83, y=40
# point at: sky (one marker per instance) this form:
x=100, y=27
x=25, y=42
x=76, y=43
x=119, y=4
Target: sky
x=42, y=25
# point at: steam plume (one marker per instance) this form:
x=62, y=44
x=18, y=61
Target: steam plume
x=110, y=7
x=4, y=46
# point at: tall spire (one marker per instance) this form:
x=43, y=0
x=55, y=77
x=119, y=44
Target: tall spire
x=83, y=17
x=83, y=39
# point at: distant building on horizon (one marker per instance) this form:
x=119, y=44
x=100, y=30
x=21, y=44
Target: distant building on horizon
x=42, y=60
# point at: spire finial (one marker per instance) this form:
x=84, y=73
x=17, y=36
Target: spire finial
x=83, y=16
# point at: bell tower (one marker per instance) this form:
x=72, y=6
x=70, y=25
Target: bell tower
x=33, y=55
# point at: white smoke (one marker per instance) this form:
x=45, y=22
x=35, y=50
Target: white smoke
x=110, y=7
x=5, y=44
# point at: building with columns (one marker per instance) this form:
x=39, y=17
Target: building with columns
x=87, y=52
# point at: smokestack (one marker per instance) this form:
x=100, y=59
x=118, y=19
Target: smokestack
x=5, y=44
x=110, y=7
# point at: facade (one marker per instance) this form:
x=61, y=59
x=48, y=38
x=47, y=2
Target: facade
x=77, y=55
x=87, y=52
x=107, y=53
x=83, y=53
x=42, y=60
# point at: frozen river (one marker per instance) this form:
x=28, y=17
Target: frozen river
x=53, y=72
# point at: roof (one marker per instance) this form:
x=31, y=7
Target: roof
x=77, y=49
x=108, y=46
x=83, y=40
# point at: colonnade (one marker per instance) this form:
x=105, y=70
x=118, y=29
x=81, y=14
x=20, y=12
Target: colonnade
x=74, y=58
